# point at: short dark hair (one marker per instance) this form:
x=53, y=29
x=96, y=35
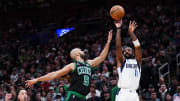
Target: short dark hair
x=93, y=86
x=178, y=89
x=154, y=92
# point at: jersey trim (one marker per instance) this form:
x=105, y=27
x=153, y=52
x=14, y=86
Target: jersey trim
x=123, y=65
x=117, y=93
x=76, y=94
x=80, y=62
x=139, y=67
x=75, y=66
x=88, y=64
x=68, y=96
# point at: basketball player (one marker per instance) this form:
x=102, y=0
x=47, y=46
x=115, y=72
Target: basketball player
x=128, y=65
x=80, y=72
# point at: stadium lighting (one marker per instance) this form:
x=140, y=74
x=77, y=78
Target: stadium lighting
x=61, y=32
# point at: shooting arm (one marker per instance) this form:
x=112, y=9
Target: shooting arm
x=119, y=57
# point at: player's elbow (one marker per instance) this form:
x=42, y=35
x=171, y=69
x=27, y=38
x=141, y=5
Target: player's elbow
x=102, y=58
x=54, y=75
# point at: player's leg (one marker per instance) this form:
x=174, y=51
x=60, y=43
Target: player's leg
x=133, y=97
x=72, y=97
x=136, y=97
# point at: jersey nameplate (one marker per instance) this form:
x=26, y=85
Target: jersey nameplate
x=131, y=65
x=83, y=70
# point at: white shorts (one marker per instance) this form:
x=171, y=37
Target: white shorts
x=127, y=95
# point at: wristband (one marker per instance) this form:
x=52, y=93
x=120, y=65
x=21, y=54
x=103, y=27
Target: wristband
x=118, y=28
x=108, y=41
x=136, y=43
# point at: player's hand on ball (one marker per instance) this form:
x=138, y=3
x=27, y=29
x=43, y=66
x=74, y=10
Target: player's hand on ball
x=132, y=26
x=29, y=83
x=110, y=35
x=118, y=23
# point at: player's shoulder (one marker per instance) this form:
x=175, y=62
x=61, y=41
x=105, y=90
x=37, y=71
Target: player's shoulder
x=89, y=61
x=71, y=65
x=120, y=65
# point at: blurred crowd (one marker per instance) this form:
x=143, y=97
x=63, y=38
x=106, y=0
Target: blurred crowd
x=159, y=34
x=6, y=5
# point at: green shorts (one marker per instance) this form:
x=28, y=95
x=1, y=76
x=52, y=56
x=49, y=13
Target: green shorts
x=75, y=96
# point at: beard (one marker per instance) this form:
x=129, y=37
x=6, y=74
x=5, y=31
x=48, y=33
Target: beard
x=128, y=56
x=83, y=56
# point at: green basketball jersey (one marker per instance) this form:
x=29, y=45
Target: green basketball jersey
x=80, y=78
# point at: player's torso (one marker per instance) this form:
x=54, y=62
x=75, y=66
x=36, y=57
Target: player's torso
x=80, y=78
x=129, y=74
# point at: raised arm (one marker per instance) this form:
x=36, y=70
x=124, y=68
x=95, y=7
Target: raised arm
x=138, y=53
x=52, y=75
x=96, y=61
x=119, y=56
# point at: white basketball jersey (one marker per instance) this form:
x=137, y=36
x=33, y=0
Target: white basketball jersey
x=129, y=74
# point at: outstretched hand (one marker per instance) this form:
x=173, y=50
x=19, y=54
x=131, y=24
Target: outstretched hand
x=110, y=35
x=132, y=26
x=118, y=23
x=29, y=83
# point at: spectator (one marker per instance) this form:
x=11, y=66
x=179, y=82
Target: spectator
x=62, y=91
x=178, y=75
x=2, y=95
x=168, y=97
x=14, y=76
x=96, y=75
x=60, y=94
x=174, y=86
x=154, y=97
x=93, y=89
x=163, y=90
x=176, y=96
x=93, y=97
x=38, y=97
x=163, y=57
x=105, y=71
x=114, y=92
x=22, y=96
x=25, y=52
x=49, y=98
x=161, y=81
x=106, y=96
x=51, y=91
x=59, y=97
x=147, y=95
x=13, y=92
x=43, y=97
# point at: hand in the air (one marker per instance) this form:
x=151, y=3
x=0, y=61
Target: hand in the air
x=132, y=26
x=118, y=23
x=8, y=97
x=29, y=83
x=110, y=35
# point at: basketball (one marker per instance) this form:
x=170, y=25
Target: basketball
x=117, y=12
